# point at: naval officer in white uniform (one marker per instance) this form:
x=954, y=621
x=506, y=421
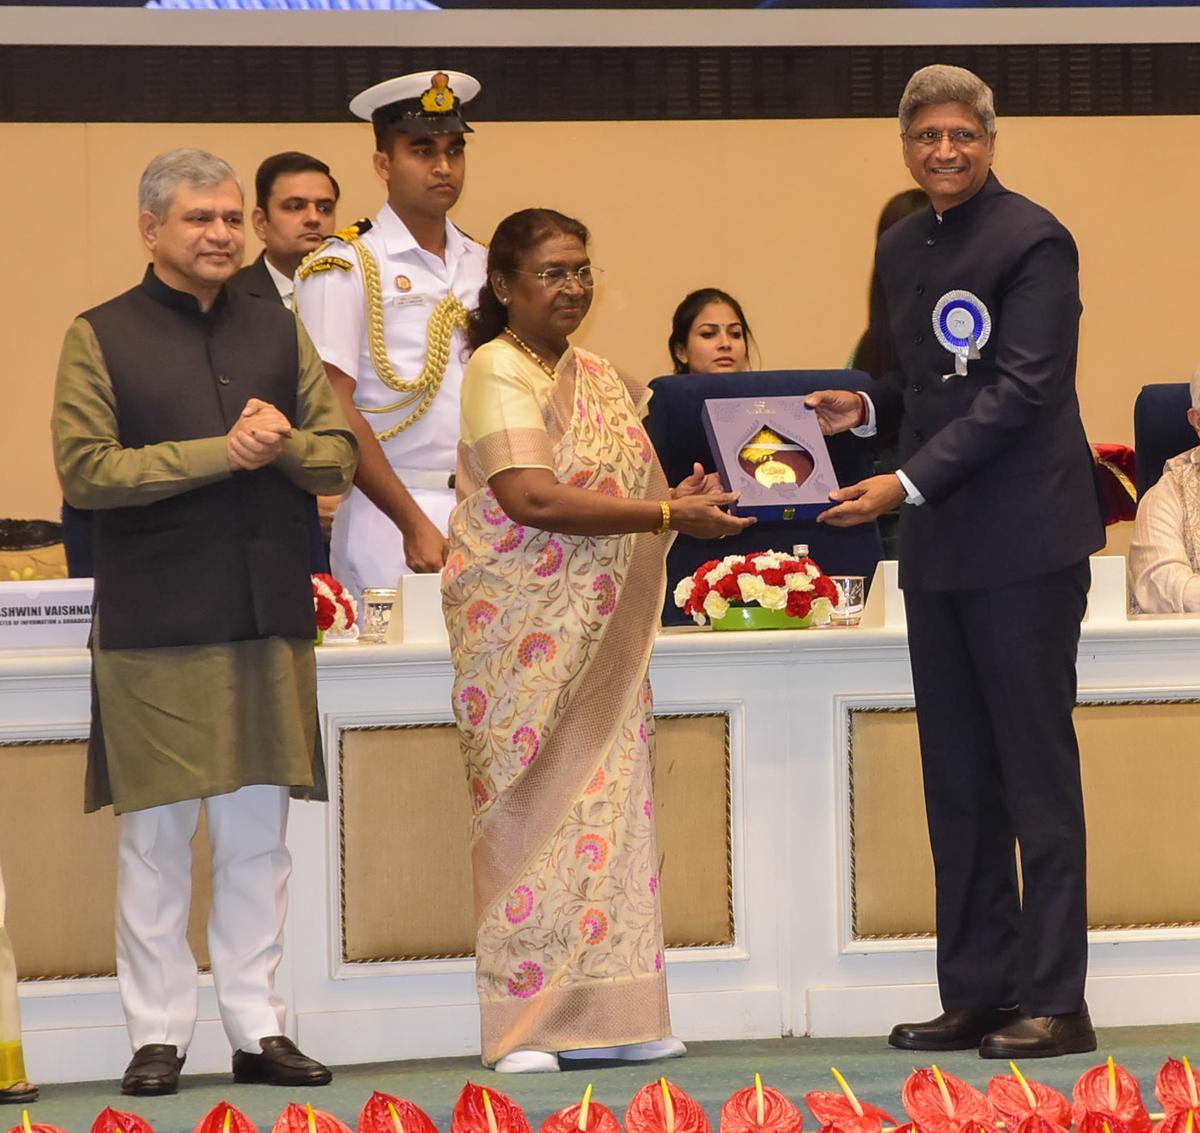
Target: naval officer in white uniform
x=386, y=303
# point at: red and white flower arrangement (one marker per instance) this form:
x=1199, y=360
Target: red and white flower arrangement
x=334, y=605
x=771, y=579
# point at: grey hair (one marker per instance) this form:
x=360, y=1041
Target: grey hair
x=169, y=170
x=943, y=83
x=1195, y=387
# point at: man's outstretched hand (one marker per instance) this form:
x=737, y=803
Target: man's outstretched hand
x=864, y=501
x=837, y=409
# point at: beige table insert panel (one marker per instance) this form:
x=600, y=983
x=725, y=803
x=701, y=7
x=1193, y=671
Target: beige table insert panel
x=60, y=866
x=406, y=877
x=1140, y=795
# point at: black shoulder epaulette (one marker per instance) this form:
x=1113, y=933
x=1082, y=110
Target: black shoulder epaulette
x=318, y=260
x=353, y=231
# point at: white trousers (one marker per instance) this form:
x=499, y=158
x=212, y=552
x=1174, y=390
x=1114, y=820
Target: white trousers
x=156, y=970
x=366, y=548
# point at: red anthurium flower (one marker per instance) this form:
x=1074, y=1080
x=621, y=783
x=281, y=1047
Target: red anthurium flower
x=942, y=1103
x=760, y=1107
x=223, y=1118
x=480, y=1110
x=843, y=1112
x=1179, y=1121
x=304, y=1119
x=585, y=1117
x=836, y=1115
x=1039, y=1123
x=384, y=1113
x=118, y=1121
x=1176, y=1087
x=1110, y=1094
x=973, y=1126
x=1016, y=1098
x=662, y=1107
x=28, y=1126
x=1099, y=1123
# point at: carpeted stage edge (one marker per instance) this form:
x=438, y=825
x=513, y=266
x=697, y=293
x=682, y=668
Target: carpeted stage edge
x=710, y=1073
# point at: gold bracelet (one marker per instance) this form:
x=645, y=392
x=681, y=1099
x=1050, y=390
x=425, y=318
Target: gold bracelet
x=666, y=518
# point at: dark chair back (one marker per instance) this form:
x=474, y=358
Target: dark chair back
x=1160, y=429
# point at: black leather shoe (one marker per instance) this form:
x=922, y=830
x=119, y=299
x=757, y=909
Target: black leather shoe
x=280, y=1064
x=952, y=1030
x=1042, y=1036
x=154, y=1069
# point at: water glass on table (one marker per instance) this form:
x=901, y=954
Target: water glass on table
x=377, y=613
x=851, y=595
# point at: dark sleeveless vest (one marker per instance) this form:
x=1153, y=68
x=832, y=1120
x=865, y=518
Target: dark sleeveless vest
x=227, y=561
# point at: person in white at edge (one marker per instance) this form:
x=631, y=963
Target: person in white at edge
x=1164, y=556
x=418, y=275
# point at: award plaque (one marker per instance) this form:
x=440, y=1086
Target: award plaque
x=770, y=449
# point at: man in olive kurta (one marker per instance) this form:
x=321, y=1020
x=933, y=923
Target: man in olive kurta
x=195, y=419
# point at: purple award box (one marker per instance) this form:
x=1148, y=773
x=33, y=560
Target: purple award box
x=770, y=449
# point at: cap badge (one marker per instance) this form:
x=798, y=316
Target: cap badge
x=439, y=98
x=962, y=325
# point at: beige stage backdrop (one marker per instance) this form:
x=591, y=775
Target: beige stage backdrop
x=781, y=213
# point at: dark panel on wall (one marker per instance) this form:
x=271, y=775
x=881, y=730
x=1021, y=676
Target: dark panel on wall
x=304, y=84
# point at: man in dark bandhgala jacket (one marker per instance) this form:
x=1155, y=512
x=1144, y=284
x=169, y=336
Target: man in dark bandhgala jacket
x=196, y=421
x=980, y=293
x=296, y=209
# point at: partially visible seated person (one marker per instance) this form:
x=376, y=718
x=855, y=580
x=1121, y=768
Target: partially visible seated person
x=1164, y=557
x=709, y=334
x=875, y=355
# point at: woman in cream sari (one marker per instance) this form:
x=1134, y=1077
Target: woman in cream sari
x=551, y=594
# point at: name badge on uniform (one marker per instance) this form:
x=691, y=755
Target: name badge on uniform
x=408, y=301
x=962, y=325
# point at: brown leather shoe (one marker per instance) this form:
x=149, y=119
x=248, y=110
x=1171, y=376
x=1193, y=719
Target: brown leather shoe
x=153, y=1070
x=21, y=1093
x=952, y=1030
x=280, y=1064
x=1042, y=1036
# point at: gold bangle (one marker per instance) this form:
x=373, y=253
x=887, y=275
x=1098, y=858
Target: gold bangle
x=666, y=518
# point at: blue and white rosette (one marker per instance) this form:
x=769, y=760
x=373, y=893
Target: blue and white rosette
x=962, y=325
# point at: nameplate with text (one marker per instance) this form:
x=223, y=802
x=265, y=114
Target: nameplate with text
x=45, y=613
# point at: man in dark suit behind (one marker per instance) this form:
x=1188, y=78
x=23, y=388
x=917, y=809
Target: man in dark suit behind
x=980, y=293
x=295, y=212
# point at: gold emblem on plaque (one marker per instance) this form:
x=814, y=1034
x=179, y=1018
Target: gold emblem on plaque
x=772, y=472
